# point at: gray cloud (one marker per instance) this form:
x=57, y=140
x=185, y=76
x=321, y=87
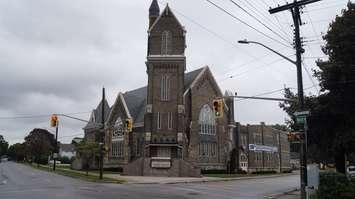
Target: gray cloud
x=55, y=56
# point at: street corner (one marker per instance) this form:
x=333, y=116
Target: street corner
x=290, y=194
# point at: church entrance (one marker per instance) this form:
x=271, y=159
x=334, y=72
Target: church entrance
x=163, y=152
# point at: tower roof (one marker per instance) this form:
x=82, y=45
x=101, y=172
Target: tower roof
x=154, y=9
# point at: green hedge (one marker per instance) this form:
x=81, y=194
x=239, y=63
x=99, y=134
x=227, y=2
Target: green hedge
x=214, y=171
x=334, y=185
x=264, y=172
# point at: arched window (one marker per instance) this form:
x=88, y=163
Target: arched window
x=166, y=43
x=165, y=88
x=207, y=121
x=117, y=139
x=118, y=130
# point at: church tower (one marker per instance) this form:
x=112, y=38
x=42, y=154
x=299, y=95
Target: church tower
x=166, y=64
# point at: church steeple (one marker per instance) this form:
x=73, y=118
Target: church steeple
x=154, y=12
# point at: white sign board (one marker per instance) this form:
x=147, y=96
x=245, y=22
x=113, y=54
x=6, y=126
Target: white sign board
x=161, y=164
x=313, y=176
x=256, y=147
x=302, y=113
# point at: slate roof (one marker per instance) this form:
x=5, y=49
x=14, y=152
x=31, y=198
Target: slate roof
x=97, y=115
x=136, y=99
x=154, y=9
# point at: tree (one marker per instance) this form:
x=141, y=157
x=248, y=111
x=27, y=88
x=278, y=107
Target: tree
x=331, y=133
x=88, y=151
x=3, y=146
x=40, y=144
x=337, y=80
x=16, y=152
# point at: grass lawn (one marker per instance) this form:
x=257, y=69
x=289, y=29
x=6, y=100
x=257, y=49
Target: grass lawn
x=91, y=177
x=223, y=175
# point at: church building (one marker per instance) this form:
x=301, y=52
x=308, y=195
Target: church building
x=175, y=130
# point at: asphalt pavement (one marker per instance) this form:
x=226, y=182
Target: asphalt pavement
x=18, y=181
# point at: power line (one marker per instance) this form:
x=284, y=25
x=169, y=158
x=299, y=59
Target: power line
x=247, y=63
x=268, y=64
x=259, y=58
x=310, y=20
x=310, y=76
x=214, y=33
x=245, y=23
x=323, y=8
x=260, y=14
x=315, y=57
x=39, y=116
x=263, y=24
x=278, y=21
x=288, y=34
x=274, y=91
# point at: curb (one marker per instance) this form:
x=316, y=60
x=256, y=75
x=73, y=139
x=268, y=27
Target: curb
x=277, y=195
x=214, y=180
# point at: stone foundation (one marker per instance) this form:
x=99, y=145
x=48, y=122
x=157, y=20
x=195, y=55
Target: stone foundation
x=178, y=168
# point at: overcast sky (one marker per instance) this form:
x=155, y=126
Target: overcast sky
x=55, y=56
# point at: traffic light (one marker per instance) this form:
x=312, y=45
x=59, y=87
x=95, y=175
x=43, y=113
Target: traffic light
x=290, y=137
x=129, y=125
x=218, y=107
x=295, y=136
x=54, y=120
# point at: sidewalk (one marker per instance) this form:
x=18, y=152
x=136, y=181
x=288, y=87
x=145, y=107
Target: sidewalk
x=290, y=195
x=163, y=180
x=175, y=180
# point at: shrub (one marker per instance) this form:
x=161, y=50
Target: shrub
x=335, y=185
x=66, y=160
x=240, y=171
x=214, y=171
x=264, y=172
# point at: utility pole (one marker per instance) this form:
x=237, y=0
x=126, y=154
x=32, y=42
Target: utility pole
x=295, y=10
x=280, y=152
x=102, y=134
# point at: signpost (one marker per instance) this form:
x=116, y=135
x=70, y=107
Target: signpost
x=301, y=119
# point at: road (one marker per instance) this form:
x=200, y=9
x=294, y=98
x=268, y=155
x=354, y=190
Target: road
x=19, y=181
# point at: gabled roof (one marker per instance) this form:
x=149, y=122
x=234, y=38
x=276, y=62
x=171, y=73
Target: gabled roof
x=167, y=10
x=191, y=76
x=136, y=101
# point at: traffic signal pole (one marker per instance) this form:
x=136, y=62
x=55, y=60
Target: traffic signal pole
x=56, y=146
x=295, y=10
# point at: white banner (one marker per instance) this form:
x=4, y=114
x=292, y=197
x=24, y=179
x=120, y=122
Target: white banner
x=256, y=147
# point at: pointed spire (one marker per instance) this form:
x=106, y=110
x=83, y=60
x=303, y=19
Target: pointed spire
x=154, y=10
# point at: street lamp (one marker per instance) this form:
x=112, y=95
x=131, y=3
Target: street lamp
x=298, y=63
x=274, y=51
